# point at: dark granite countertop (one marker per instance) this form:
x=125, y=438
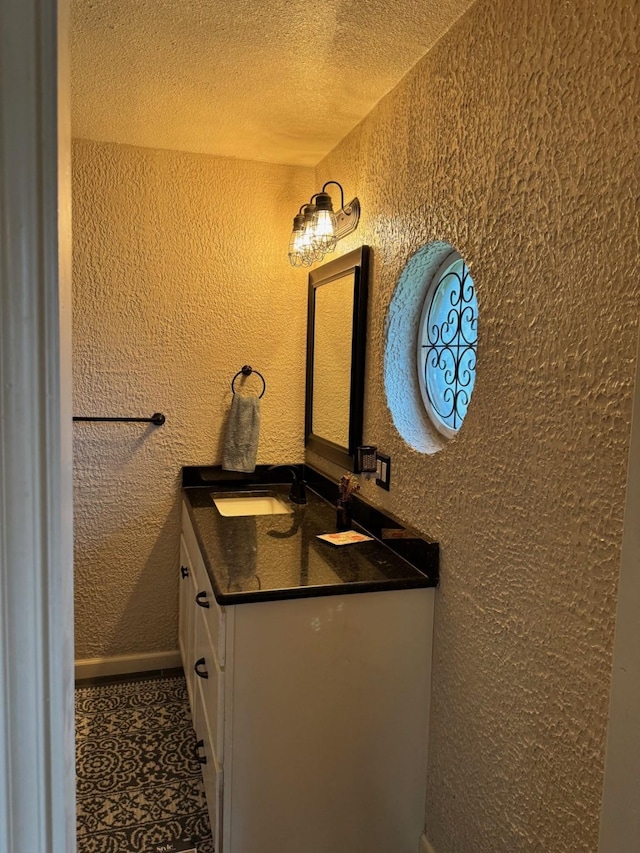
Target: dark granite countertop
x=271, y=557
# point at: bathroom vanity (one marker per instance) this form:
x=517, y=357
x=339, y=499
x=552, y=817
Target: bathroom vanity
x=308, y=671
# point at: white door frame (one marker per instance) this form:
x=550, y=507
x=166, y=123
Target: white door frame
x=37, y=793
x=620, y=820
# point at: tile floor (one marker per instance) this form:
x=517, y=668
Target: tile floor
x=138, y=784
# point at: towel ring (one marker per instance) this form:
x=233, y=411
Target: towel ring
x=247, y=370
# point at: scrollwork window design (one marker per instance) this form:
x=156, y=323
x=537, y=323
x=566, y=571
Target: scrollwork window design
x=447, y=345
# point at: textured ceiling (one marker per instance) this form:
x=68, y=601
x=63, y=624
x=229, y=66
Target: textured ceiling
x=280, y=81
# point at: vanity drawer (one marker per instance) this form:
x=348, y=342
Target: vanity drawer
x=209, y=684
x=205, y=599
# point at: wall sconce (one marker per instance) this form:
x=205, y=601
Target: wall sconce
x=317, y=229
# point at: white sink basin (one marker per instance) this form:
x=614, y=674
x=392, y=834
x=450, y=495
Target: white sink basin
x=251, y=505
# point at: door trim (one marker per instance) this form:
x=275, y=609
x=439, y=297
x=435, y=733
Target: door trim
x=620, y=818
x=37, y=780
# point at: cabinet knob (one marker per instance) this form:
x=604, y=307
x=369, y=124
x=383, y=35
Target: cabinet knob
x=184, y=571
x=201, y=759
x=201, y=599
x=202, y=673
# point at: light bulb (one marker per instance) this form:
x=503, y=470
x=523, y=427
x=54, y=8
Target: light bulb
x=324, y=224
x=310, y=251
x=295, y=241
x=324, y=227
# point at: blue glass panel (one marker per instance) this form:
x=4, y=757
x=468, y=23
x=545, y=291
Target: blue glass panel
x=449, y=342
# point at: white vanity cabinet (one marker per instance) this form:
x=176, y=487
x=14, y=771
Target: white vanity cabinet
x=312, y=717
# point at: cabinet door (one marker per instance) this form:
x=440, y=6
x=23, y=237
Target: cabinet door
x=211, y=770
x=187, y=620
x=210, y=681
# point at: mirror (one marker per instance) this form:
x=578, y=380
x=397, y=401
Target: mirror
x=336, y=332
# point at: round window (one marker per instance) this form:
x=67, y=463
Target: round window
x=447, y=344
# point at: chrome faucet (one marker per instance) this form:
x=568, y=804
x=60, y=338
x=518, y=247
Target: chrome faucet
x=298, y=493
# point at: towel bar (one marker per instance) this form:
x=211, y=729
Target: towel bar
x=157, y=419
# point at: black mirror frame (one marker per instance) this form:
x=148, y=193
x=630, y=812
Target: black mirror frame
x=357, y=262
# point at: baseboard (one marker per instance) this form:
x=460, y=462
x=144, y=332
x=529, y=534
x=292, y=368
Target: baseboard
x=425, y=847
x=124, y=664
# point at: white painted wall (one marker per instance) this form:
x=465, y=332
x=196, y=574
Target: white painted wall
x=172, y=294
x=514, y=139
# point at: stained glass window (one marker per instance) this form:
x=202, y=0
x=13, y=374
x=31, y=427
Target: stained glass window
x=447, y=345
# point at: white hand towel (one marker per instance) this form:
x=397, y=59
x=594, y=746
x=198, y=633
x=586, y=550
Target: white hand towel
x=243, y=432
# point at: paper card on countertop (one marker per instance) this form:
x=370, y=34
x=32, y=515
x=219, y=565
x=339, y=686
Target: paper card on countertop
x=347, y=537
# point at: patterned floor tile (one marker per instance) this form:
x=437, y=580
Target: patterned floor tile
x=138, y=784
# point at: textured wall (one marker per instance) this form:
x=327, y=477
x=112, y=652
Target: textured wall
x=177, y=284
x=514, y=139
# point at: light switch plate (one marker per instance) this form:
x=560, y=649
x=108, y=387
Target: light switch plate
x=383, y=473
